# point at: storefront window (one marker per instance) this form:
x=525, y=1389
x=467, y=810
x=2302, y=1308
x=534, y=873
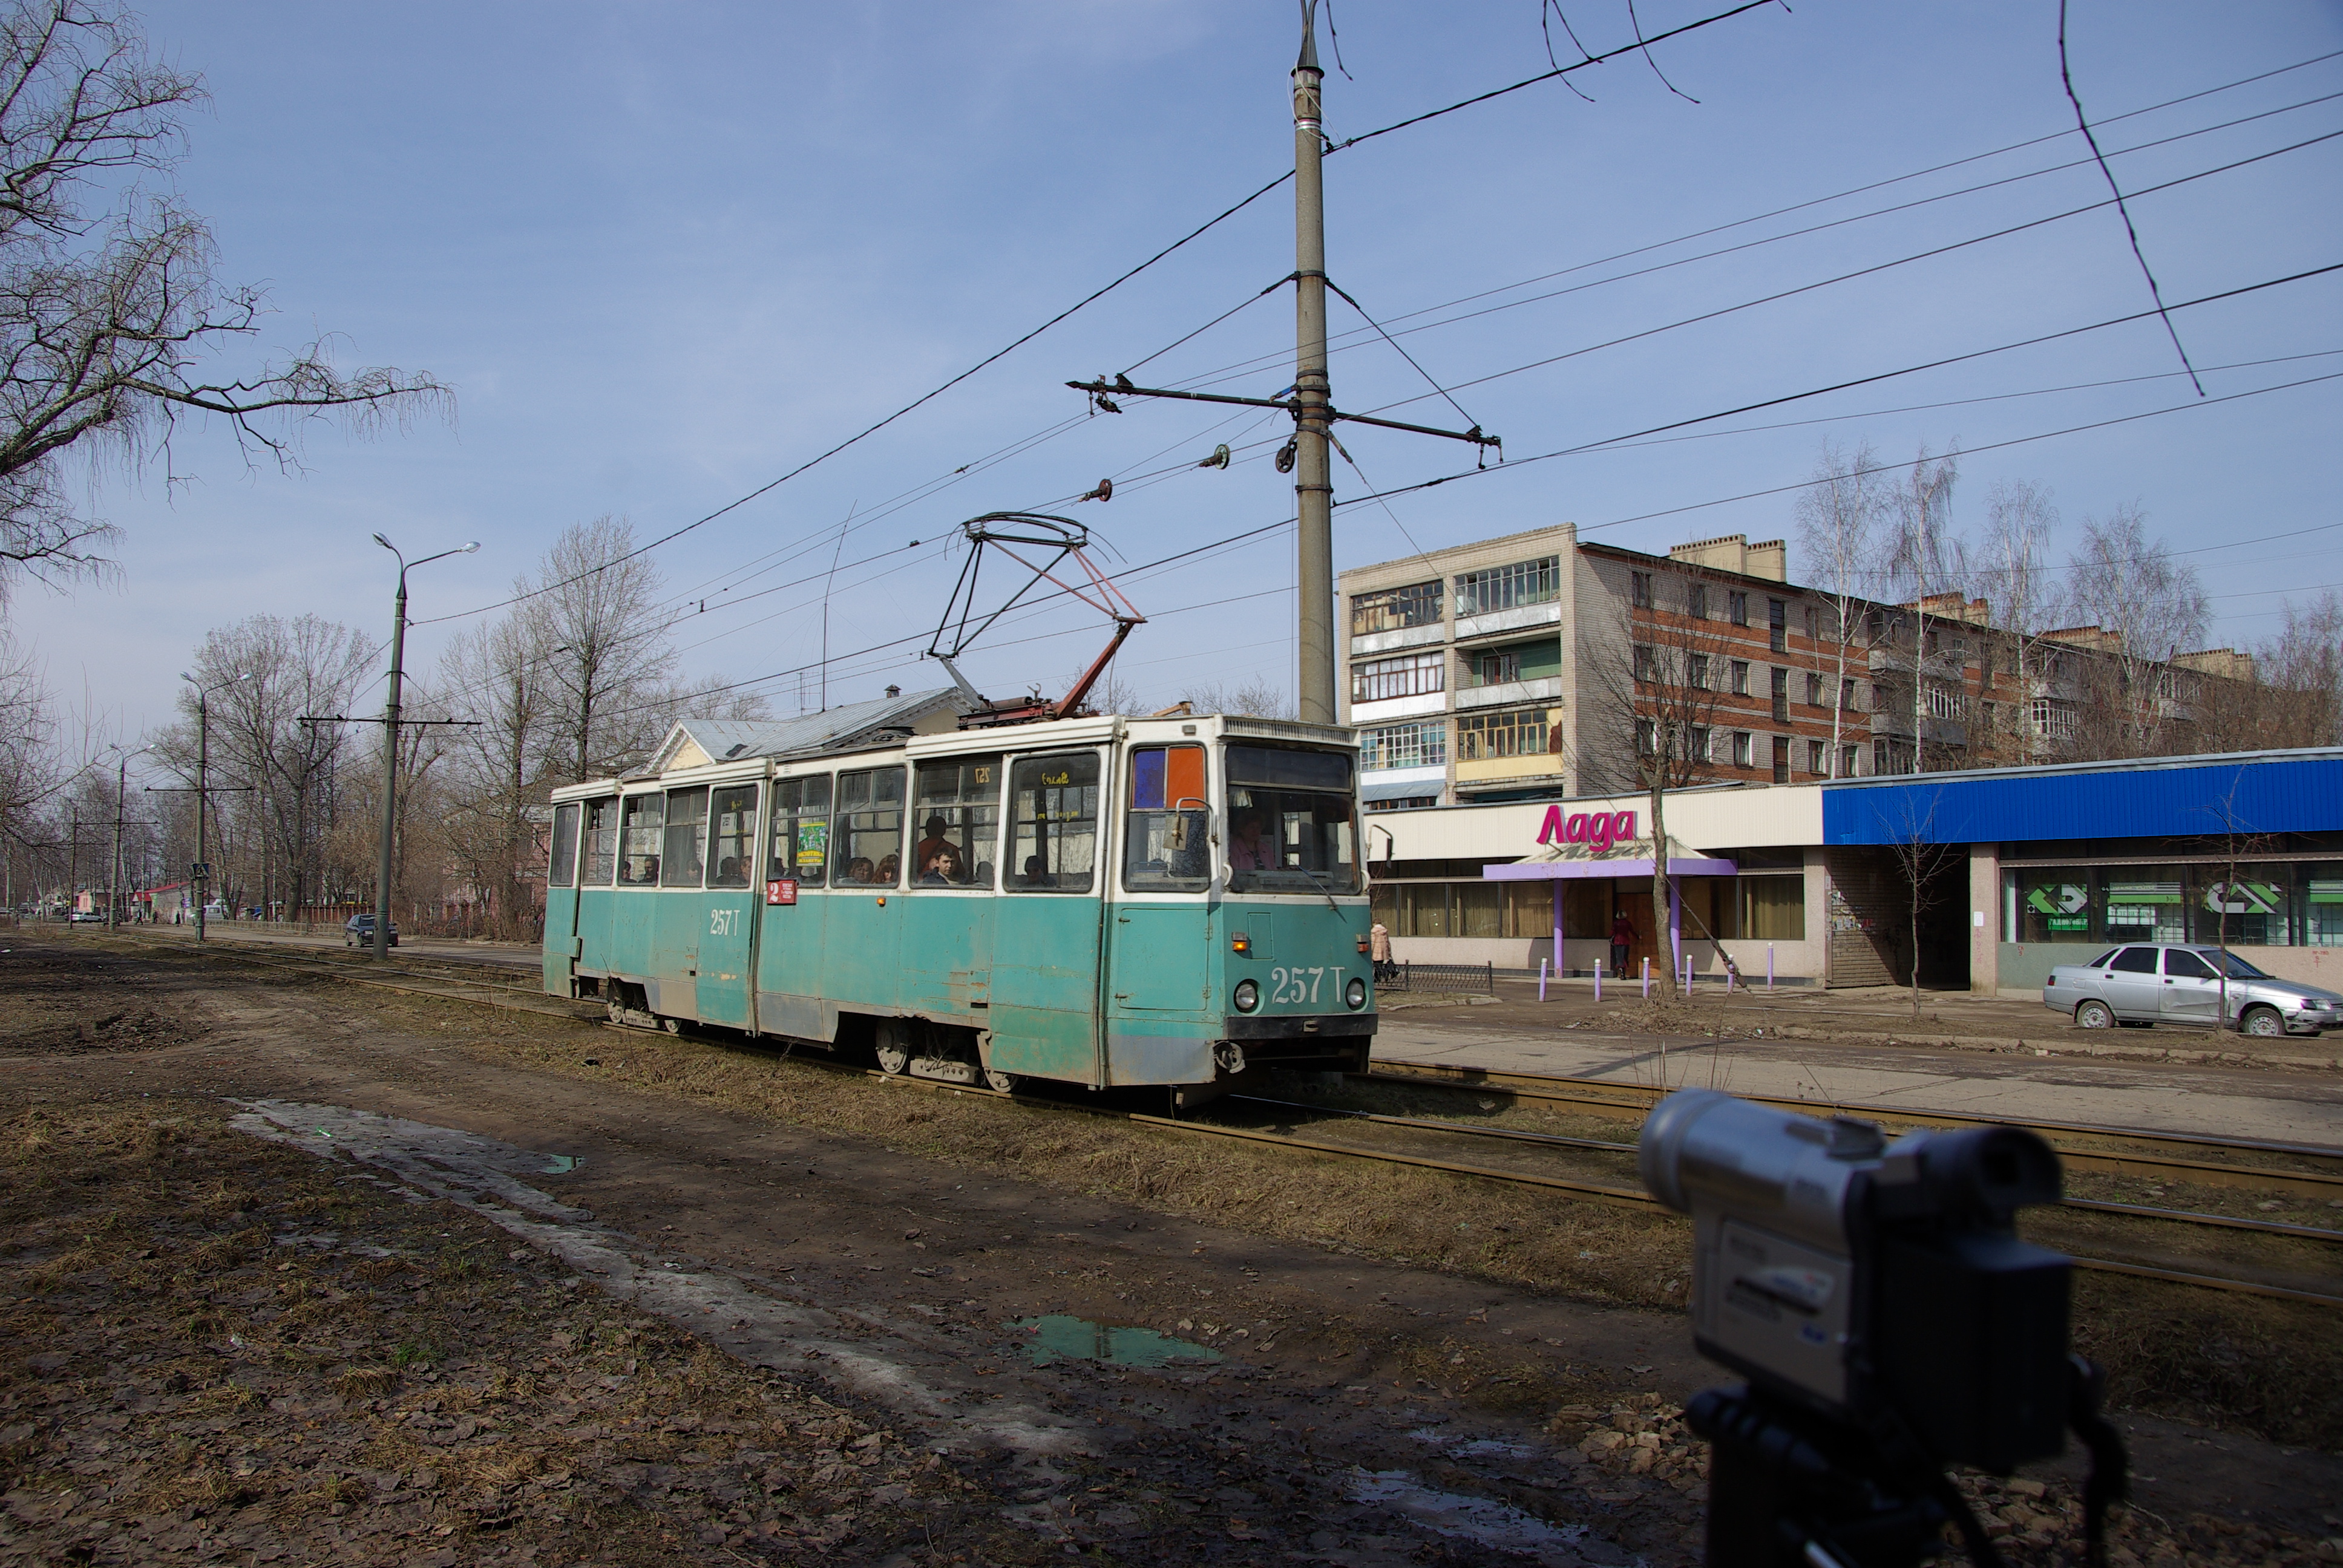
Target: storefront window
x=2254, y=905
x=2322, y=911
x=2144, y=904
x=2046, y=904
x=1773, y=909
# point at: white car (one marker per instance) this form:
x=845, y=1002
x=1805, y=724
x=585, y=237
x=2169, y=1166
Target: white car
x=2142, y=983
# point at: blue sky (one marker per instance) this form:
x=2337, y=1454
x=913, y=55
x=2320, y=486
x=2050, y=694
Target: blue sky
x=666, y=253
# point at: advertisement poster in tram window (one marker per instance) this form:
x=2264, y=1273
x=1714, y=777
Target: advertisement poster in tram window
x=813, y=842
x=2063, y=906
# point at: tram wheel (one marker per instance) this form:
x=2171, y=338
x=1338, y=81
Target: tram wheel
x=672, y=1025
x=999, y=1083
x=892, y=1060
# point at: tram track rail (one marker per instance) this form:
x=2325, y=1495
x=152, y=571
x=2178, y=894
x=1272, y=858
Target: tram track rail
x=1601, y=1097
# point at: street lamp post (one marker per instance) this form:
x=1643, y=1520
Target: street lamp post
x=390, y=739
x=203, y=783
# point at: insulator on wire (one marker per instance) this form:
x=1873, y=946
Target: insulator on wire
x=1219, y=460
x=1285, y=457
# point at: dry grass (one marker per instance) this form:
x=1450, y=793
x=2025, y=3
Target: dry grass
x=2270, y=1367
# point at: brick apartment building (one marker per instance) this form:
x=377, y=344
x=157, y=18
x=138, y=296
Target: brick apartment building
x=1534, y=666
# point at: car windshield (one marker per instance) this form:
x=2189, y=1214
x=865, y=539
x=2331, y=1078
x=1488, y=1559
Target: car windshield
x=2239, y=968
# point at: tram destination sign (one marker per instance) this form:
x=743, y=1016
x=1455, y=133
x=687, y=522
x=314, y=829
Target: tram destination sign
x=781, y=890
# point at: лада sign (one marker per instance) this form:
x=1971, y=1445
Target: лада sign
x=1598, y=831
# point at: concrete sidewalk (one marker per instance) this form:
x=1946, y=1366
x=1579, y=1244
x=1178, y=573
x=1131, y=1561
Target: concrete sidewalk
x=1857, y=1066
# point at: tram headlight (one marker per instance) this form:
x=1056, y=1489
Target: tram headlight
x=1355, y=993
x=1248, y=995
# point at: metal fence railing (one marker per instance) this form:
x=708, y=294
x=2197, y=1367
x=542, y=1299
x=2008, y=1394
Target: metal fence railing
x=1455, y=978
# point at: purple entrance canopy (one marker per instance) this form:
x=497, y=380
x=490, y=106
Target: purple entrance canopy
x=1556, y=871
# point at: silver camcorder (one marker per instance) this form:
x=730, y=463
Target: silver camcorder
x=1877, y=1285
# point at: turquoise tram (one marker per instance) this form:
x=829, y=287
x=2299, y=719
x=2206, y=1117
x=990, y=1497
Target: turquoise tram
x=1105, y=901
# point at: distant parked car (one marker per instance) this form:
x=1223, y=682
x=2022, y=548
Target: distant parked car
x=85, y=918
x=358, y=931
x=2145, y=983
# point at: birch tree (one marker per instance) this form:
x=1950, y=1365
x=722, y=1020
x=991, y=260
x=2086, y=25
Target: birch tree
x=2010, y=566
x=2152, y=606
x=1919, y=567
x=1838, y=527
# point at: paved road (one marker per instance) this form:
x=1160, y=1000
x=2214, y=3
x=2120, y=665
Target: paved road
x=2288, y=1105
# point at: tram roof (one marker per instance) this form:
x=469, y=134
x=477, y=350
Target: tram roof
x=697, y=742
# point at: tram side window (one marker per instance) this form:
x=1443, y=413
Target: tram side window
x=1166, y=840
x=563, y=873
x=732, y=818
x=601, y=841
x=801, y=829
x=686, y=837
x=955, y=801
x=1053, y=805
x=869, y=851
x=642, y=816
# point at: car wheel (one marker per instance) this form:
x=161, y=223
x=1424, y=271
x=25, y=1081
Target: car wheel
x=2094, y=1015
x=2264, y=1022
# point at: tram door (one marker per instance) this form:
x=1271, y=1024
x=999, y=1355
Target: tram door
x=1045, y=939
x=727, y=962
x=559, y=948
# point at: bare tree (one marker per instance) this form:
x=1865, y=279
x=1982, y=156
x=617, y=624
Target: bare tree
x=497, y=769
x=1838, y=526
x=1921, y=857
x=595, y=615
x=2294, y=697
x=1918, y=569
x=1254, y=698
x=2009, y=567
x=110, y=310
x=2149, y=608
x=1648, y=722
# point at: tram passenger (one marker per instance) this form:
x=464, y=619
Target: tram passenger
x=935, y=830
x=1037, y=873
x=728, y=872
x=891, y=872
x=1247, y=852
x=858, y=870
x=942, y=869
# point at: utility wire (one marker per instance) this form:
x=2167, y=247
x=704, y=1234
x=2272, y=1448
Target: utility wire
x=2083, y=124
x=1403, y=354
x=1866, y=271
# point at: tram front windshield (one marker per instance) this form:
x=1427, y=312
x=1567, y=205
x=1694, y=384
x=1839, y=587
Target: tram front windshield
x=1293, y=824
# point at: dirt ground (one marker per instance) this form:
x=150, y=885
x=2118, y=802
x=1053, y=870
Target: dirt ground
x=291, y=1271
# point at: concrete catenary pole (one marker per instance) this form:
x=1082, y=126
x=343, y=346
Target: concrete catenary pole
x=390, y=767
x=1313, y=490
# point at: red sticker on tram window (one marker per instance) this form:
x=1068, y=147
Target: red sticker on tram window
x=781, y=890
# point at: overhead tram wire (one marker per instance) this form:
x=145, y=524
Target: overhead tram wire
x=1042, y=603
x=1093, y=297
x=1344, y=342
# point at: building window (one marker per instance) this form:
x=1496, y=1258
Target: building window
x=1700, y=741
x=1647, y=737
x=1647, y=664
x=1696, y=671
x=1781, y=760
x=1816, y=755
x=1497, y=667
x=1740, y=748
x=1773, y=909
x=1409, y=674
x=1405, y=746
x=1740, y=678
x=1512, y=732
x=1404, y=803
x=1639, y=589
x=1847, y=759
x=1846, y=697
x=1813, y=690
x=1781, y=695
x=1814, y=625
x=2053, y=719
x=1737, y=608
x=1947, y=703
x=1696, y=600
x=1394, y=609
x=1778, y=625
x=1509, y=588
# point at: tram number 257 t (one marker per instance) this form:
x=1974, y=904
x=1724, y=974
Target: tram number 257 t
x=723, y=922
x=1298, y=986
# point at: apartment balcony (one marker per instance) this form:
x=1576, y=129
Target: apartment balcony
x=1425, y=635
x=1392, y=708
x=1499, y=621
x=1510, y=693
x=1488, y=773
x=1934, y=731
